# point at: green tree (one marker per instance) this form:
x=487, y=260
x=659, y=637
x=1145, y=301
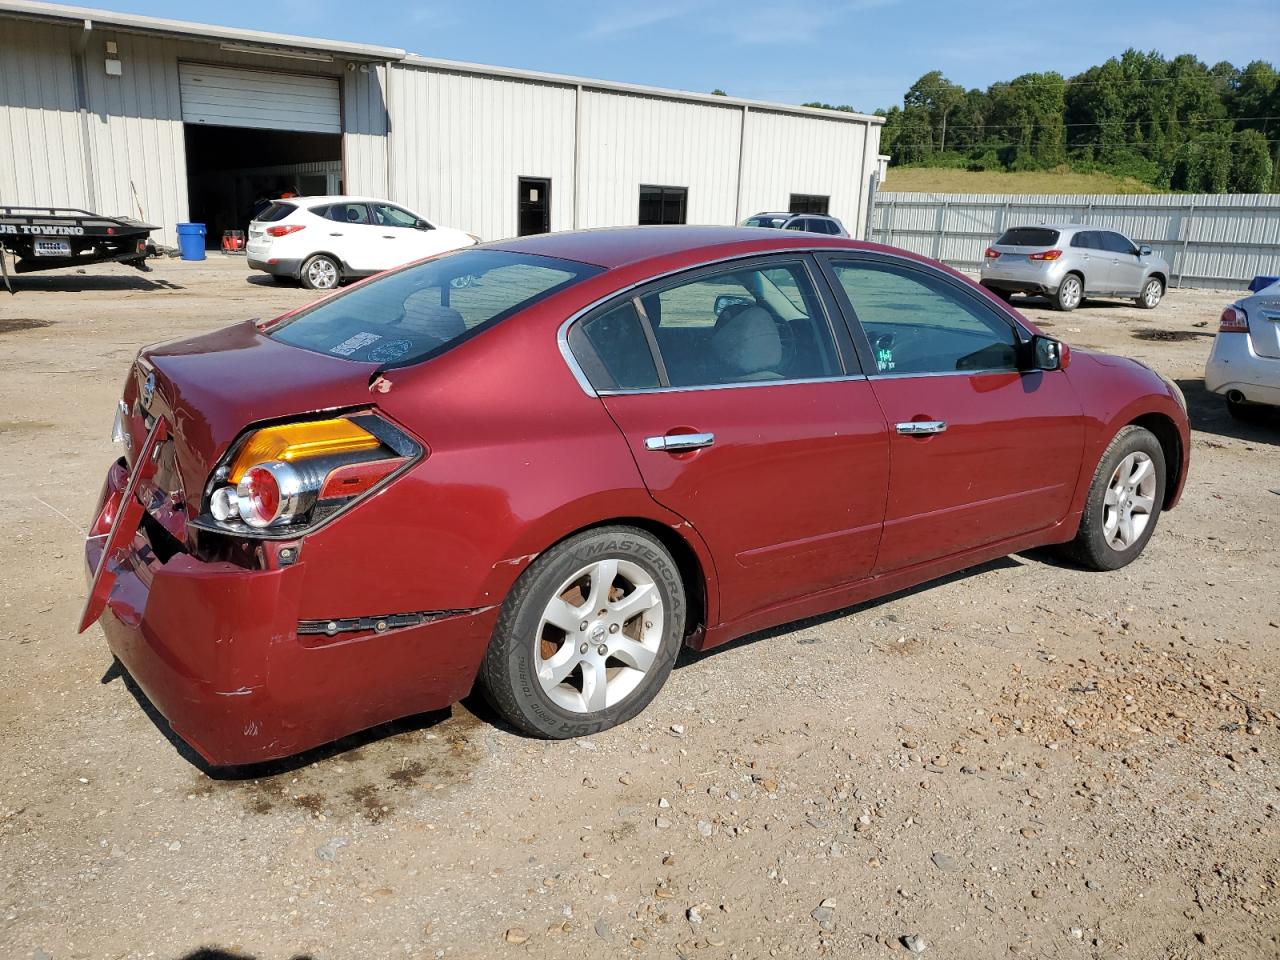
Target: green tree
x=936, y=97
x=1251, y=165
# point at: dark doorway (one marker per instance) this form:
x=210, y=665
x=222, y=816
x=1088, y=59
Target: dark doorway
x=534, y=206
x=663, y=204
x=809, y=203
x=232, y=170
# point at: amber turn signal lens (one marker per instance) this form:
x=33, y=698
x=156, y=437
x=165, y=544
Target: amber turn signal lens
x=295, y=441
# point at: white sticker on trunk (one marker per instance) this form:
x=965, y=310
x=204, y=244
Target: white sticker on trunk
x=349, y=346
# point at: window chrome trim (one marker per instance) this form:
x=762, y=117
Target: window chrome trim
x=562, y=333
x=948, y=373
x=732, y=386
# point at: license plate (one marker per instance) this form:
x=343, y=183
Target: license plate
x=53, y=248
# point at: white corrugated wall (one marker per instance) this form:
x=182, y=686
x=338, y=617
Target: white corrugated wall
x=364, y=121
x=41, y=139
x=459, y=143
x=785, y=154
x=629, y=140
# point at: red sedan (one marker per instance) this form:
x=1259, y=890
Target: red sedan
x=547, y=464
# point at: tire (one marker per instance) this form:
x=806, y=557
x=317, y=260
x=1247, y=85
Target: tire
x=321, y=272
x=1102, y=542
x=1070, y=293
x=546, y=679
x=1005, y=295
x=1152, y=294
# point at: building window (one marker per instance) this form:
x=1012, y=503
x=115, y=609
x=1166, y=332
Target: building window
x=663, y=204
x=808, y=203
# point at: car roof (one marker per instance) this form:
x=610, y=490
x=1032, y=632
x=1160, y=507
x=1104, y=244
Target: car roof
x=332, y=198
x=612, y=247
x=786, y=213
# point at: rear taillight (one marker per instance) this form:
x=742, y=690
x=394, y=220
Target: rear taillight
x=1233, y=320
x=991, y=254
x=1046, y=255
x=284, y=229
x=285, y=479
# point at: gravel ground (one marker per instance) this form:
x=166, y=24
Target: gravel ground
x=1021, y=758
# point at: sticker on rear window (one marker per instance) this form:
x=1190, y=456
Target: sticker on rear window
x=390, y=351
x=350, y=345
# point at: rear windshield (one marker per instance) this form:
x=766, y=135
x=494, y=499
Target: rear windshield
x=764, y=221
x=420, y=311
x=1028, y=237
x=277, y=211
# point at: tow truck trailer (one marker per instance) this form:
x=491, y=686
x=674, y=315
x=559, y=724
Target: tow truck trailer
x=45, y=238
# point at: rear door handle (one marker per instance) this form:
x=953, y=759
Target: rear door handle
x=916, y=428
x=680, y=441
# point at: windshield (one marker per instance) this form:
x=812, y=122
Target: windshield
x=418, y=312
x=764, y=221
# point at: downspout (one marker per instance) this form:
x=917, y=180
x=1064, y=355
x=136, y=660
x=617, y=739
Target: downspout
x=577, y=154
x=742, y=142
x=79, y=45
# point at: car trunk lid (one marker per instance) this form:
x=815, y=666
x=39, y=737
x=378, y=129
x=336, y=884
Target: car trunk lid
x=210, y=388
x=1264, y=324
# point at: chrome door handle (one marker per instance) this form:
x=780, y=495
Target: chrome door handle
x=680, y=441
x=916, y=428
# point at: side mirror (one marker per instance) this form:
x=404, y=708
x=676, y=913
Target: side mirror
x=422, y=225
x=1046, y=354
x=1144, y=251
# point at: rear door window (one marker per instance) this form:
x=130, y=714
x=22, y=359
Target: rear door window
x=356, y=213
x=1028, y=237
x=409, y=315
x=742, y=325
x=613, y=350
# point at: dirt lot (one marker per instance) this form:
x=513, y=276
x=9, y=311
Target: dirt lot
x=1024, y=758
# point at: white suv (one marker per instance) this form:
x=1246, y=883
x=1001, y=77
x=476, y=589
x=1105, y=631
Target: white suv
x=325, y=240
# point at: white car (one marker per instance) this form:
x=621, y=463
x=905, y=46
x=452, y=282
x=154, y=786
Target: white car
x=1244, y=365
x=323, y=241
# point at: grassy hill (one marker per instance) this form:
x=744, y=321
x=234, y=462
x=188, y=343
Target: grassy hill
x=945, y=180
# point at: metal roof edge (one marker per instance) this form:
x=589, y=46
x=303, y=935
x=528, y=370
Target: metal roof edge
x=517, y=73
x=136, y=23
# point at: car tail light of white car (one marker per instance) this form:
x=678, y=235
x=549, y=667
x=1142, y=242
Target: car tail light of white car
x=284, y=229
x=1046, y=255
x=992, y=254
x=1233, y=320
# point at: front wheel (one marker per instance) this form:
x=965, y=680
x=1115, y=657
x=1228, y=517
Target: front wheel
x=321, y=272
x=1152, y=294
x=1070, y=293
x=588, y=634
x=1124, y=502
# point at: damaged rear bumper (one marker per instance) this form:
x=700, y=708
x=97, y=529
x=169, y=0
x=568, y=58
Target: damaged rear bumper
x=216, y=648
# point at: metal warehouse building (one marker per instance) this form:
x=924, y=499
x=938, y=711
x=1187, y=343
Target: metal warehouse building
x=169, y=121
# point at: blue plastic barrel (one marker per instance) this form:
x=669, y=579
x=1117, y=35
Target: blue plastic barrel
x=191, y=240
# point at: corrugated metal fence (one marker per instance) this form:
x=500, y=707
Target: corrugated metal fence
x=1210, y=240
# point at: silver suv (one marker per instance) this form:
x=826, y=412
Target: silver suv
x=809, y=222
x=1068, y=263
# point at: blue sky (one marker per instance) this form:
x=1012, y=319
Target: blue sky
x=861, y=52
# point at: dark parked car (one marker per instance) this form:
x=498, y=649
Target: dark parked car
x=603, y=447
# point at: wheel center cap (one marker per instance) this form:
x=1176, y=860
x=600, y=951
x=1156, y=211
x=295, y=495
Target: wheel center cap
x=598, y=631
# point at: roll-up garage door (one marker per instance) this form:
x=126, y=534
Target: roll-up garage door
x=236, y=97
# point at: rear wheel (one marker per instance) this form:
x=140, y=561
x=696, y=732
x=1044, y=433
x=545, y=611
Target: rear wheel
x=321, y=272
x=1070, y=293
x=1124, y=502
x=1152, y=294
x=1005, y=295
x=588, y=635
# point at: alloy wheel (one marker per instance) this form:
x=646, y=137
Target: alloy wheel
x=1129, y=501
x=1069, y=295
x=599, y=636
x=1152, y=293
x=322, y=273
